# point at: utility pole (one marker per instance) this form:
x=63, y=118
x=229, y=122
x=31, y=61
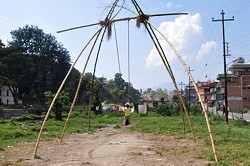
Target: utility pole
x=181, y=84
x=189, y=90
x=224, y=55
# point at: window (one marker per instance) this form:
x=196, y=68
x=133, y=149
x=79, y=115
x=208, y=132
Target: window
x=7, y=92
x=245, y=98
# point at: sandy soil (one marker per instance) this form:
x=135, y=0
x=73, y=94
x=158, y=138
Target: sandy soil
x=108, y=147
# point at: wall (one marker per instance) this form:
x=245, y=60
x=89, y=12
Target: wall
x=6, y=97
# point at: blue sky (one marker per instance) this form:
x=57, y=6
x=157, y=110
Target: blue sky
x=195, y=36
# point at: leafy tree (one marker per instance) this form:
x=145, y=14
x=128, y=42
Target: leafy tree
x=149, y=90
x=62, y=99
x=117, y=94
x=119, y=81
x=1, y=44
x=16, y=71
x=72, y=83
x=52, y=61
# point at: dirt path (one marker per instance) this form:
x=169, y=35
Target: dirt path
x=109, y=147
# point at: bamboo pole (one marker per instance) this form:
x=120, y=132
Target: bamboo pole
x=175, y=84
x=53, y=101
x=80, y=81
x=183, y=121
x=106, y=25
x=164, y=59
x=119, y=19
x=92, y=82
x=197, y=91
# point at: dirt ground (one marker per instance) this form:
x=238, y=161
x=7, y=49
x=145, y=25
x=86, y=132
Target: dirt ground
x=108, y=147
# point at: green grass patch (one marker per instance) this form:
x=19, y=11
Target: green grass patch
x=232, y=141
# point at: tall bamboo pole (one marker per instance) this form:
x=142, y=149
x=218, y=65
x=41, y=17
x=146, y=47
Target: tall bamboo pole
x=53, y=101
x=183, y=121
x=175, y=84
x=106, y=24
x=80, y=81
x=165, y=61
x=196, y=89
x=93, y=76
x=178, y=91
x=120, y=19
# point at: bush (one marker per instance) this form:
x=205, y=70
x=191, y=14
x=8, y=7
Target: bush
x=165, y=110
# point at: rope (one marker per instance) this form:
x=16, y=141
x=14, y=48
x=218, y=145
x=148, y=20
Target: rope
x=117, y=50
x=128, y=61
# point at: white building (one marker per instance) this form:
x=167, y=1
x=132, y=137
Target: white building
x=6, y=97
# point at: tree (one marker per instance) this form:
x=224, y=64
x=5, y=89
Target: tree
x=119, y=81
x=62, y=99
x=52, y=61
x=72, y=83
x=16, y=71
x=1, y=44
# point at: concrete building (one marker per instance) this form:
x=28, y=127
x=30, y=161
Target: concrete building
x=190, y=94
x=238, y=85
x=6, y=97
x=207, y=91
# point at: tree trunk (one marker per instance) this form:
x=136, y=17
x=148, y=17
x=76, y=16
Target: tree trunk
x=58, y=111
x=13, y=91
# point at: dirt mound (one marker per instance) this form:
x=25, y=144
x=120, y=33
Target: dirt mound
x=110, y=147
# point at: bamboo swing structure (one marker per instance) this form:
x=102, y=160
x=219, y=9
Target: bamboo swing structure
x=106, y=25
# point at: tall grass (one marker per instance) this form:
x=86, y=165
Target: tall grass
x=232, y=141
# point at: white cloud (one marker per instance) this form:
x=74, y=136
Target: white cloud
x=3, y=18
x=206, y=49
x=183, y=33
x=169, y=4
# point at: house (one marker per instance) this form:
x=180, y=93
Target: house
x=190, y=94
x=207, y=91
x=6, y=97
x=238, y=85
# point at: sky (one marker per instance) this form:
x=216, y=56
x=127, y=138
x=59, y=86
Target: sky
x=195, y=36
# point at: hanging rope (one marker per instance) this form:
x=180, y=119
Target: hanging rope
x=128, y=62
x=117, y=50
x=107, y=24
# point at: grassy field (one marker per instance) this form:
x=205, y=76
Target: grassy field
x=232, y=141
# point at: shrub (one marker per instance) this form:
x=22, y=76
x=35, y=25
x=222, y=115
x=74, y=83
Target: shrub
x=165, y=110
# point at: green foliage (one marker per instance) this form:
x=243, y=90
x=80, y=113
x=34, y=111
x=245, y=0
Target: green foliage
x=1, y=44
x=166, y=110
x=51, y=60
x=195, y=110
x=16, y=71
x=62, y=99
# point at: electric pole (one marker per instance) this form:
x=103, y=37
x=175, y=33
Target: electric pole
x=224, y=55
x=189, y=90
